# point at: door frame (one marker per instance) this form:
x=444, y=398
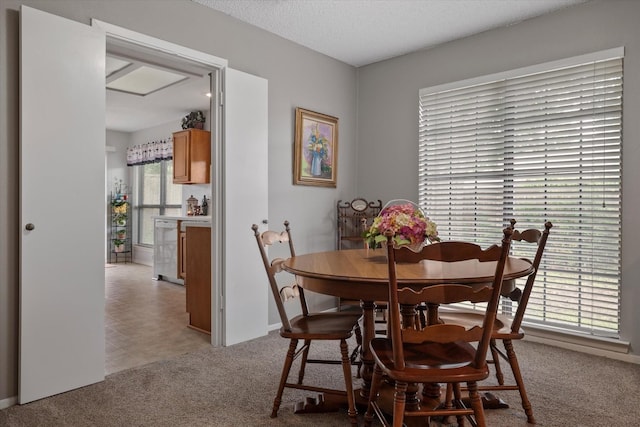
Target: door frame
x=217, y=67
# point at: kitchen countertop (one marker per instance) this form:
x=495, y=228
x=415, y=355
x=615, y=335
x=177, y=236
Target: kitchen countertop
x=184, y=218
x=187, y=223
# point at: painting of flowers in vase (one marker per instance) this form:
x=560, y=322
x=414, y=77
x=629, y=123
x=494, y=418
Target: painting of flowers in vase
x=315, y=149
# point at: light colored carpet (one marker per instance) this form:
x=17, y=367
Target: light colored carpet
x=235, y=386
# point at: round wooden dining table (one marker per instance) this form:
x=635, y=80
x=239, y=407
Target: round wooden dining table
x=363, y=274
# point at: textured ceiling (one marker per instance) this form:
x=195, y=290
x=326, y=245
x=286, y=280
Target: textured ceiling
x=357, y=32
x=360, y=32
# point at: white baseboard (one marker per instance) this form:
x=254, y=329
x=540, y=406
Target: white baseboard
x=274, y=327
x=8, y=402
x=143, y=255
x=585, y=348
x=612, y=348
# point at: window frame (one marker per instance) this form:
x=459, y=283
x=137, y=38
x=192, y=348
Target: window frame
x=162, y=206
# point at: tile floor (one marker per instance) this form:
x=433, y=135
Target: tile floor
x=145, y=319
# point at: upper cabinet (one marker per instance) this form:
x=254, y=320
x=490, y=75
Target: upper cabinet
x=192, y=157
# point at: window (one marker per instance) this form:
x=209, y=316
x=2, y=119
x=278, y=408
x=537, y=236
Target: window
x=538, y=144
x=157, y=195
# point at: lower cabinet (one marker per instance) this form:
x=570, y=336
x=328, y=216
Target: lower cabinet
x=198, y=277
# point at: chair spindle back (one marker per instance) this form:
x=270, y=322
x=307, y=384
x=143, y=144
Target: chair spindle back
x=448, y=251
x=273, y=267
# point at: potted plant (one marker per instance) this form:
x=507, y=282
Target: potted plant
x=118, y=245
x=120, y=219
x=119, y=206
x=121, y=234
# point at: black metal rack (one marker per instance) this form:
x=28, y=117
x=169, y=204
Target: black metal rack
x=119, y=241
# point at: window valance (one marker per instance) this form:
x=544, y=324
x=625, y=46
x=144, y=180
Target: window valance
x=151, y=152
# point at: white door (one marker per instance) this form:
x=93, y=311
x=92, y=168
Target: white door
x=245, y=203
x=62, y=204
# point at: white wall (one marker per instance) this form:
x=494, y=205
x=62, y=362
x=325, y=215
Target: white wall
x=388, y=131
x=117, y=143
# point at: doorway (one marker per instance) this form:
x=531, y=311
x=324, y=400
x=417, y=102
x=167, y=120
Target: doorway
x=146, y=319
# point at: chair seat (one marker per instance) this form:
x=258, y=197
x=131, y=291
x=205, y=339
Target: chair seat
x=322, y=326
x=501, y=328
x=445, y=362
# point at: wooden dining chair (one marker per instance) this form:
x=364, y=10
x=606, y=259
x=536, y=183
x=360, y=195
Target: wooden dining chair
x=307, y=326
x=506, y=328
x=436, y=353
x=352, y=218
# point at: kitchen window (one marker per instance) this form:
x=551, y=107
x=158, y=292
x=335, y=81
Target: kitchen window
x=157, y=195
x=537, y=144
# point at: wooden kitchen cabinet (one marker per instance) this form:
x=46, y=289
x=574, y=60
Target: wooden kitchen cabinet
x=198, y=278
x=192, y=156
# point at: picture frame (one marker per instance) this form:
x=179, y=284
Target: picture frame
x=315, y=149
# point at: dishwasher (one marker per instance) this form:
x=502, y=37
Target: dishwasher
x=165, y=250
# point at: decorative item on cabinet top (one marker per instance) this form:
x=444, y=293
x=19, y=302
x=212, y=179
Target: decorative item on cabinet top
x=193, y=120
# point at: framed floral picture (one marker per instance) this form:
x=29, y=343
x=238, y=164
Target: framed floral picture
x=315, y=149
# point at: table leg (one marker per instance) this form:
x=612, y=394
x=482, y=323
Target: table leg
x=432, y=314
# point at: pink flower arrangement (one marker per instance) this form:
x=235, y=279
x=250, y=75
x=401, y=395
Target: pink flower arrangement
x=408, y=222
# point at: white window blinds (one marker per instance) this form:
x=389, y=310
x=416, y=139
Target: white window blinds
x=538, y=146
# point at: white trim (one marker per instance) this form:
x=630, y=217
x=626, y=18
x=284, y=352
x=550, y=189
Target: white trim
x=142, y=255
x=140, y=39
x=274, y=327
x=585, y=347
x=8, y=402
x=613, y=345
x=598, y=346
x=616, y=52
